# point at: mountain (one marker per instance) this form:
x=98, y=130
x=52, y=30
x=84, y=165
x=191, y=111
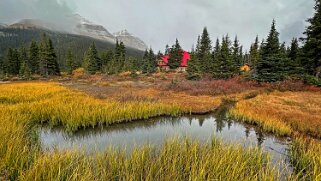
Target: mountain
x=3, y=25
x=77, y=25
x=32, y=24
x=130, y=40
x=84, y=27
x=16, y=37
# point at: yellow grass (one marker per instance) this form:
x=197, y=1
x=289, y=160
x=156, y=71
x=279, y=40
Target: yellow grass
x=283, y=112
x=306, y=158
x=49, y=102
x=176, y=160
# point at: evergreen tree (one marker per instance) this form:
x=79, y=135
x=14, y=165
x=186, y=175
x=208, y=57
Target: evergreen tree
x=311, y=56
x=24, y=71
x=48, y=57
x=106, y=60
x=194, y=71
x=175, y=55
x=293, y=52
x=203, y=52
x=149, y=62
x=70, y=62
x=2, y=68
x=241, y=56
x=236, y=58
x=225, y=62
x=34, y=58
x=270, y=68
x=12, y=62
x=92, y=60
x=53, y=67
x=254, y=53
x=145, y=62
x=215, y=67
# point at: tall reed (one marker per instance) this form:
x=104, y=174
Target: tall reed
x=176, y=160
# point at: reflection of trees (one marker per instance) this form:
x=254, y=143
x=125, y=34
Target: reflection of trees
x=247, y=131
x=221, y=118
x=201, y=121
x=121, y=127
x=190, y=119
x=260, y=138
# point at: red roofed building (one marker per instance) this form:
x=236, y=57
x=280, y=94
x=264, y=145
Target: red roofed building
x=163, y=62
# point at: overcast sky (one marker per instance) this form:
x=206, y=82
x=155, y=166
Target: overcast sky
x=159, y=22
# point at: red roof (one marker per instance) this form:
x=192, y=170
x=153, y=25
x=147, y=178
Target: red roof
x=185, y=57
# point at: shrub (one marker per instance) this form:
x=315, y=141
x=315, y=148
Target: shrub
x=78, y=73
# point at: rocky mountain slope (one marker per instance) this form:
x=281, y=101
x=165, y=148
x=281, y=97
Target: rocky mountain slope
x=77, y=25
x=130, y=40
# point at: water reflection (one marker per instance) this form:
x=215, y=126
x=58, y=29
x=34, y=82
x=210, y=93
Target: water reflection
x=155, y=131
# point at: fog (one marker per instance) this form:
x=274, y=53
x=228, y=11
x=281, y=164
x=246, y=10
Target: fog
x=159, y=22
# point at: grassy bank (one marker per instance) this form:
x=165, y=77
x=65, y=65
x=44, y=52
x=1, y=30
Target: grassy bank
x=57, y=105
x=283, y=113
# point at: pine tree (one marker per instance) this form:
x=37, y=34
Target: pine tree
x=311, y=56
x=236, y=59
x=24, y=59
x=145, y=62
x=106, y=60
x=2, y=68
x=152, y=61
x=53, y=67
x=194, y=71
x=91, y=62
x=225, y=63
x=149, y=62
x=216, y=65
x=70, y=62
x=175, y=55
x=254, y=53
x=34, y=58
x=24, y=71
x=241, y=56
x=13, y=62
x=293, y=54
x=204, y=51
x=270, y=68
x=48, y=58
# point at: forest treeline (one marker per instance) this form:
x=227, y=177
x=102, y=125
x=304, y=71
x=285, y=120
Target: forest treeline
x=269, y=60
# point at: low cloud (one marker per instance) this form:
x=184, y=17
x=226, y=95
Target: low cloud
x=159, y=22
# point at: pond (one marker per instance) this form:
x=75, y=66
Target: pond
x=156, y=130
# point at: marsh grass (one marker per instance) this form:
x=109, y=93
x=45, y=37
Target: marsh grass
x=57, y=105
x=178, y=159
x=306, y=158
x=283, y=113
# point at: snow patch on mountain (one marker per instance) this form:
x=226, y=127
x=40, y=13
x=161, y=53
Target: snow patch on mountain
x=130, y=40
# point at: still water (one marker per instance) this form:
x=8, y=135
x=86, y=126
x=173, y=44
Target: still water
x=155, y=131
